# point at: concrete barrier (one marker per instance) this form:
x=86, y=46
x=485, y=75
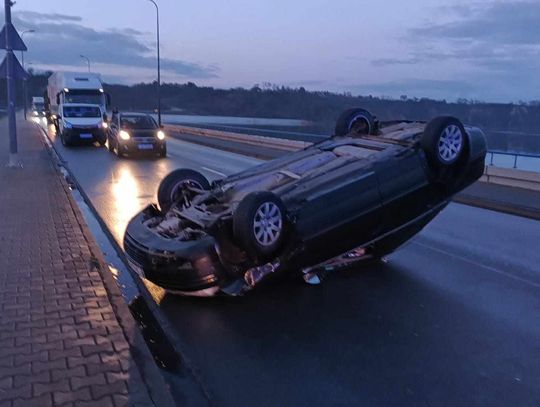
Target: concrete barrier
x=512, y=177
x=495, y=175
x=270, y=142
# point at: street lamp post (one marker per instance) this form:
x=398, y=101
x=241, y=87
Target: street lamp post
x=25, y=96
x=158, y=64
x=87, y=61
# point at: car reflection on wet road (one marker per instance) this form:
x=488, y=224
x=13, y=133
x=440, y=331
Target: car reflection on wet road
x=452, y=319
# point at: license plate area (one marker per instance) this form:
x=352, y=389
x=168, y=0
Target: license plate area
x=145, y=146
x=86, y=135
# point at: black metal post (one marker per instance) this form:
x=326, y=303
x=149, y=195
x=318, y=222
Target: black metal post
x=12, y=124
x=158, y=64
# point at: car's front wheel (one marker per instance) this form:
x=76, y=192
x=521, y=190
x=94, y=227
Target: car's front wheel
x=172, y=186
x=64, y=139
x=445, y=144
x=260, y=224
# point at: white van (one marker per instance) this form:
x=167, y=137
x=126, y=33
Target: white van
x=81, y=122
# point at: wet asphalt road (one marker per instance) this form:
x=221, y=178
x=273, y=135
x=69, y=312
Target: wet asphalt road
x=452, y=319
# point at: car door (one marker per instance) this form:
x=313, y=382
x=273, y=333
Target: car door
x=341, y=212
x=404, y=187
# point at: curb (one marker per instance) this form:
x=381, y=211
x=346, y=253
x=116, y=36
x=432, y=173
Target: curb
x=157, y=388
x=498, y=206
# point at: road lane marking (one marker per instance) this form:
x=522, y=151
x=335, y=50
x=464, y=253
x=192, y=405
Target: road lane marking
x=465, y=259
x=214, y=171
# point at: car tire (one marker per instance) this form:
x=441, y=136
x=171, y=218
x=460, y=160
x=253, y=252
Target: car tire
x=102, y=141
x=163, y=152
x=117, y=151
x=110, y=145
x=260, y=225
x=64, y=140
x=445, y=144
x=170, y=186
x=349, y=120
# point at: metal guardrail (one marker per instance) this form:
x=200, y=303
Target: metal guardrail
x=534, y=162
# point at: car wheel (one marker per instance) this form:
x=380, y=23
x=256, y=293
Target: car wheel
x=445, y=144
x=259, y=224
x=64, y=140
x=356, y=121
x=170, y=188
x=163, y=152
x=102, y=141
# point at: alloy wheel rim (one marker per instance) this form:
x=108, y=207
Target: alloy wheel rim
x=267, y=224
x=450, y=143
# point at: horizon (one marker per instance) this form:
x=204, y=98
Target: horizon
x=423, y=49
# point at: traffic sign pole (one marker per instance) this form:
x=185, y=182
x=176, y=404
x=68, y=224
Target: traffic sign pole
x=13, y=152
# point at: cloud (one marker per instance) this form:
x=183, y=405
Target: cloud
x=60, y=39
x=509, y=23
x=488, y=49
x=480, y=33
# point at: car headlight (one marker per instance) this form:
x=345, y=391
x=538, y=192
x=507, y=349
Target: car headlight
x=68, y=125
x=103, y=125
x=160, y=135
x=124, y=135
x=35, y=113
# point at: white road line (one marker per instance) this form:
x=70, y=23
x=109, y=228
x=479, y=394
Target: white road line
x=214, y=171
x=501, y=272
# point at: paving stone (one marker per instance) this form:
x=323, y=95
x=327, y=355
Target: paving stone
x=60, y=341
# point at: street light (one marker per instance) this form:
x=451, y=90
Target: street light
x=158, y=64
x=25, y=96
x=87, y=61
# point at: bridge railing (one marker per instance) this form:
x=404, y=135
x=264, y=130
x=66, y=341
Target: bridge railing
x=507, y=159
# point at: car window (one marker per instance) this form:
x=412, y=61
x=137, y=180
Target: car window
x=137, y=122
x=82, y=111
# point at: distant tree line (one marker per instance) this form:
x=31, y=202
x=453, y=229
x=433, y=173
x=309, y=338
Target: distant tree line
x=319, y=107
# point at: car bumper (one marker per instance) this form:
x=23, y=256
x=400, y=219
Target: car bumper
x=85, y=134
x=190, y=266
x=134, y=146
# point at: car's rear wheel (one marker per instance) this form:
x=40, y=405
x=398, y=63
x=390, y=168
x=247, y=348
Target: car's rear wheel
x=356, y=122
x=171, y=187
x=445, y=144
x=260, y=225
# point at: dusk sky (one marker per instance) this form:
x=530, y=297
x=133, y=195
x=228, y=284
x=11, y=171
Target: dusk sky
x=486, y=50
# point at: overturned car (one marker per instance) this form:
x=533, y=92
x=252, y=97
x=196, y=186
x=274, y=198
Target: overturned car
x=373, y=185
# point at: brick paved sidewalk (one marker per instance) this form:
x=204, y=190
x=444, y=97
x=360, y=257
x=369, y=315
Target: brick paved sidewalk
x=61, y=343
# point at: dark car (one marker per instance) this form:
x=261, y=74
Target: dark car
x=372, y=185
x=135, y=133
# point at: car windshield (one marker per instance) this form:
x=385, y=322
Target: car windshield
x=138, y=122
x=82, y=111
x=90, y=98
x=38, y=106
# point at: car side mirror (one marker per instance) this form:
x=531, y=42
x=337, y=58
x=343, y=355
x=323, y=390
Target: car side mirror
x=105, y=117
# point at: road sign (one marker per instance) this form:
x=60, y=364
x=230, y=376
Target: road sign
x=18, y=73
x=15, y=39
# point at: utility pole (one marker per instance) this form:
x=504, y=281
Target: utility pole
x=87, y=61
x=12, y=125
x=11, y=69
x=158, y=64
x=25, y=95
